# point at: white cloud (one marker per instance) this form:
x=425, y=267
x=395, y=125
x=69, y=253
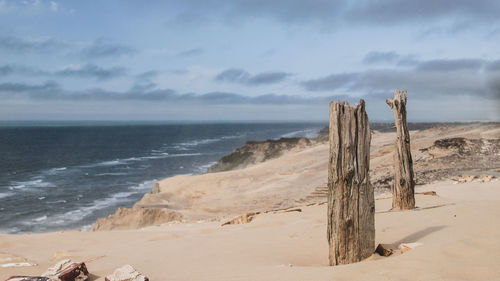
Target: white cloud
x=53, y=6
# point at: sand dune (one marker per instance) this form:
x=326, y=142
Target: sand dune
x=299, y=177
x=457, y=229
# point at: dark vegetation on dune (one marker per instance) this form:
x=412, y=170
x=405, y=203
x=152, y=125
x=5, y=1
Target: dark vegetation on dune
x=446, y=158
x=255, y=152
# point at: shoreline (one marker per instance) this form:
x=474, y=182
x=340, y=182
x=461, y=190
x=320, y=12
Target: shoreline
x=92, y=179
x=267, y=221
x=450, y=228
x=298, y=177
x=379, y=177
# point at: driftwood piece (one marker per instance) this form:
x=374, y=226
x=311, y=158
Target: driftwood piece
x=242, y=219
x=433, y=193
x=384, y=250
x=28, y=278
x=65, y=270
x=403, y=187
x=126, y=273
x=351, y=203
x=74, y=272
x=405, y=247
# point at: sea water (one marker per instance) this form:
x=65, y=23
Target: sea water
x=65, y=175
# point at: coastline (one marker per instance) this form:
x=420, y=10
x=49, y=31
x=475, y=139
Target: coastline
x=298, y=176
x=277, y=224
x=454, y=230
x=53, y=186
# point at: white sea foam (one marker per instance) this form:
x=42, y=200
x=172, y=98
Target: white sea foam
x=54, y=171
x=118, y=162
x=144, y=185
x=28, y=184
x=308, y=133
x=110, y=163
x=184, y=154
x=57, y=202
x=86, y=228
x=14, y=229
x=198, y=142
x=110, y=174
x=40, y=219
x=206, y=141
x=204, y=168
x=5, y=194
x=83, y=211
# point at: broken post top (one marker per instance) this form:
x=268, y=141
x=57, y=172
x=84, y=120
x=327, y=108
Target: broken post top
x=399, y=98
x=346, y=124
x=345, y=103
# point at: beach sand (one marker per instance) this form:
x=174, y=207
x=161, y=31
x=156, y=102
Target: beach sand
x=458, y=229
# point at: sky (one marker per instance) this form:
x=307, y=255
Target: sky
x=247, y=59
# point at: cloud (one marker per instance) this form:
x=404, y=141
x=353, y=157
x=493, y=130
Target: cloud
x=86, y=71
x=101, y=48
x=442, y=81
x=147, y=74
x=445, y=65
x=493, y=66
x=268, y=78
x=46, y=90
x=144, y=81
x=240, y=76
x=92, y=71
x=380, y=57
x=233, y=75
x=388, y=12
x=440, y=65
x=289, y=11
x=456, y=14
x=22, y=45
x=52, y=91
x=54, y=6
x=190, y=52
x=330, y=82
x=12, y=69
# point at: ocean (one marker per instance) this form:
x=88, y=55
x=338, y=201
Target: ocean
x=65, y=175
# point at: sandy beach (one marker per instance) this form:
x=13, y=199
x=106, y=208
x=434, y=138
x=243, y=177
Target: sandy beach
x=457, y=228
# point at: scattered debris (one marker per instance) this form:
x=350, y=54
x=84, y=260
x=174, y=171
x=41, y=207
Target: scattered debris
x=18, y=264
x=59, y=266
x=28, y=278
x=58, y=255
x=126, y=273
x=65, y=270
x=472, y=178
x=384, y=250
x=405, y=247
x=8, y=260
x=245, y=218
x=75, y=272
x=294, y=210
x=433, y=193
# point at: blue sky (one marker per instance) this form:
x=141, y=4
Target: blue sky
x=247, y=59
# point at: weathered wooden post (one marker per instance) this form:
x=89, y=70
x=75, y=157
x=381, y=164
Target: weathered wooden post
x=351, y=203
x=403, y=187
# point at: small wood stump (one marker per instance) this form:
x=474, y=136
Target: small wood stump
x=403, y=187
x=351, y=203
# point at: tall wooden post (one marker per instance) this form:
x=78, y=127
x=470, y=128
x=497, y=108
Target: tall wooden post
x=351, y=203
x=403, y=188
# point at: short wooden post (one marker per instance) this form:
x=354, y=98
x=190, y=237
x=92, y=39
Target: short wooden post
x=403, y=187
x=351, y=203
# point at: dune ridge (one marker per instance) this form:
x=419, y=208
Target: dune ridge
x=298, y=176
